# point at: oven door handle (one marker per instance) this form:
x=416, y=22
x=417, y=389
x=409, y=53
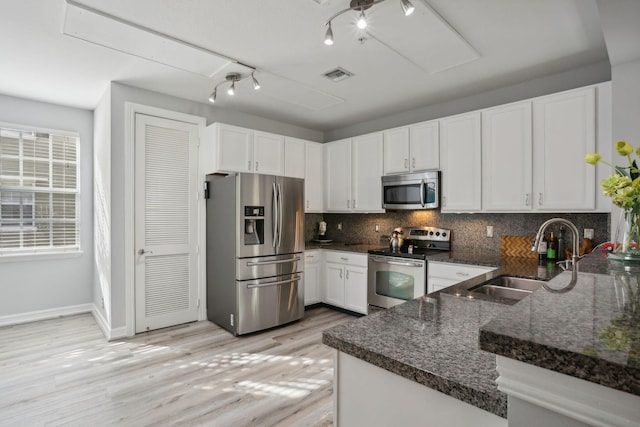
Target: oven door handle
x=403, y=264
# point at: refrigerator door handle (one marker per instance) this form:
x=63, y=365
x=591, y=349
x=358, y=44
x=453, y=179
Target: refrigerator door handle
x=274, y=216
x=281, y=214
x=279, y=282
x=282, y=261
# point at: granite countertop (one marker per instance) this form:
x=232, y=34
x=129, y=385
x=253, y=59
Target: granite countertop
x=355, y=247
x=446, y=340
x=584, y=332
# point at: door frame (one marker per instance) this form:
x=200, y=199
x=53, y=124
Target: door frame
x=131, y=109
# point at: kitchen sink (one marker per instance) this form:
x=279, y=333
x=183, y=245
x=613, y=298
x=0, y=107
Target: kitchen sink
x=508, y=289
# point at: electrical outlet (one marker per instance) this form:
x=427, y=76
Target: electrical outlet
x=377, y=228
x=339, y=226
x=489, y=230
x=588, y=233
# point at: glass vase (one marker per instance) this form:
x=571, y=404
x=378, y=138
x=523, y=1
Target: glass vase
x=627, y=237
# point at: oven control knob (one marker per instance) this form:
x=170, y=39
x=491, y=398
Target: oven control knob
x=437, y=233
x=444, y=234
x=431, y=233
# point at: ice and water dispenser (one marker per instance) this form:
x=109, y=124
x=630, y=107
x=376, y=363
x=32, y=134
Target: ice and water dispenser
x=253, y=225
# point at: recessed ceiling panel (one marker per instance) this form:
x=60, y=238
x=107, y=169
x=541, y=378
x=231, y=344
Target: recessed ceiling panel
x=91, y=25
x=424, y=38
x=296, y=93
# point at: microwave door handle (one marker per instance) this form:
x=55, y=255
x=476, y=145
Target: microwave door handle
x=422, y=186
x=274, y=214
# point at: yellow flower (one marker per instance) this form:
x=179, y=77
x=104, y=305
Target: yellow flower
x=624, y=148
x=593, y=158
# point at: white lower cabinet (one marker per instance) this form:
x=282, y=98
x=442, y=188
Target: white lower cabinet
x=312, y=277
x=346, y=280
x=441, y=275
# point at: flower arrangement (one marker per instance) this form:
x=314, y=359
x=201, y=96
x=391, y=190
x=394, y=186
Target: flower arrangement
x=624, y=189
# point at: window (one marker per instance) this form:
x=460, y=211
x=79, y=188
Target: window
x=39, y=191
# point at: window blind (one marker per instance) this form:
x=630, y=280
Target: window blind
x=39, y=191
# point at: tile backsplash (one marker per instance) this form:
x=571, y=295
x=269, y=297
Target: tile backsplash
x=469, y=231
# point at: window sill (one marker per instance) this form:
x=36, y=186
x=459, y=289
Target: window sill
x=40, y=256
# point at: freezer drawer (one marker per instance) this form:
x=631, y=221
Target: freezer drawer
x=266, y=303
x=268, y=266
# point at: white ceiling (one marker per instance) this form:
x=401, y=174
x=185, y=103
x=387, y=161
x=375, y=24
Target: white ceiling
x=446, y=49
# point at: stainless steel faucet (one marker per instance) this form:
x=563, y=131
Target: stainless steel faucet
x=575, y=257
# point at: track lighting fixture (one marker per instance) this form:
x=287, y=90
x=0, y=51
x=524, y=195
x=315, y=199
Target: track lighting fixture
x=362, y=5
x=233, y=78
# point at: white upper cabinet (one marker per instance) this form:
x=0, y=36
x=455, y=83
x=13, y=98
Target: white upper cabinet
x=507, y=158
x=353, y=171
x=424, y=146
x=460, y=161
x=411, y=148
x=563, y=133
x=366, y=171
x=313, y=182
x=338, y=176
x=268, y=153
x=244, y=150
x=294, y=157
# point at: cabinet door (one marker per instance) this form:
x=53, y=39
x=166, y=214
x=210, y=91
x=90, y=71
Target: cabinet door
x=507, y=158
x=233, y=149
x=334, y=275
x=396, y=150
x=366, y=170
x=311, y=278
x=313, y=178
x=424, y=146
x=564, y=131
x=355, y=289
x=294, y=157
x=338, y=175
x=460, y=162
x=268, y=153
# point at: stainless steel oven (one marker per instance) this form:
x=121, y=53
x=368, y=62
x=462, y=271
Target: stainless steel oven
x=394, y=280
x=396, y=276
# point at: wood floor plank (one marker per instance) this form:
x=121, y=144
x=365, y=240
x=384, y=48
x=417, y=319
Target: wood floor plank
x=62, y=372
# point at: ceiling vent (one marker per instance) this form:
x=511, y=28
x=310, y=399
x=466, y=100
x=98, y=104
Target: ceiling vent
x=338, y=75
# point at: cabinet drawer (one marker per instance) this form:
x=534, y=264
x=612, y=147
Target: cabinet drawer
x=457, y=272
x=312, y=257
x=349, y=258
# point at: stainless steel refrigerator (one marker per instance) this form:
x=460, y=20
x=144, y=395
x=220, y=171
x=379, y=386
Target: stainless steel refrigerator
x=255, y=240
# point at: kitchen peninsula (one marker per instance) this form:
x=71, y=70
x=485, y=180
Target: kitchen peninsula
x=431, y=361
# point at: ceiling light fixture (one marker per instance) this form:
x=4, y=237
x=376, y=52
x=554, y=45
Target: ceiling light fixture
x=362, y=5
x=233, y=78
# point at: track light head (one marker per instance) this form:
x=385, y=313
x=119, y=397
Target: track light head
x=362, y=21
x=232, y=89
x=328, y=37
x=256, y=84
x=212, y=97
x=407, y=7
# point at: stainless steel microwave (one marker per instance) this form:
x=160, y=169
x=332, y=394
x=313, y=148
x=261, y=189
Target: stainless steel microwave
x=411, y=191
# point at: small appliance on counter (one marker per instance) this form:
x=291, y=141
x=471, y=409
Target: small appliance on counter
x=396, y=276
x=322, y=233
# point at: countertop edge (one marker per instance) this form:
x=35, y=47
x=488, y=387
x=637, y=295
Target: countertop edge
x=476, y=398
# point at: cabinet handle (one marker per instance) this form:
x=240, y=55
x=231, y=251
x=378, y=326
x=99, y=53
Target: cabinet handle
x=353, y=205
x=526, y=199
x=347, y=274
x=540, y=199
x=413, y=163
x=406, y=163
x=348, y=204
x=257, y=164
x=307, y=204
x=341, y=274
x=249, y=165
x=344, y=259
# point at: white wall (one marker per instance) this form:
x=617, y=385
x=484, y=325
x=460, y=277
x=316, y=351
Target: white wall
x=102, y=207
x=38, y=285
x=596, y=73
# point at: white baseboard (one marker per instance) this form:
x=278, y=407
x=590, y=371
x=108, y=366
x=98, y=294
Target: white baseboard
x=110, y=334
x=34, y=316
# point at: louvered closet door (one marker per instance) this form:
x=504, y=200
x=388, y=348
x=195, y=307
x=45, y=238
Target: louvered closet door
x=165, y=222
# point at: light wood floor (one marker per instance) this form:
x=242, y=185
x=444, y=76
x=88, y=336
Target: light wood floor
x=64, y=372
